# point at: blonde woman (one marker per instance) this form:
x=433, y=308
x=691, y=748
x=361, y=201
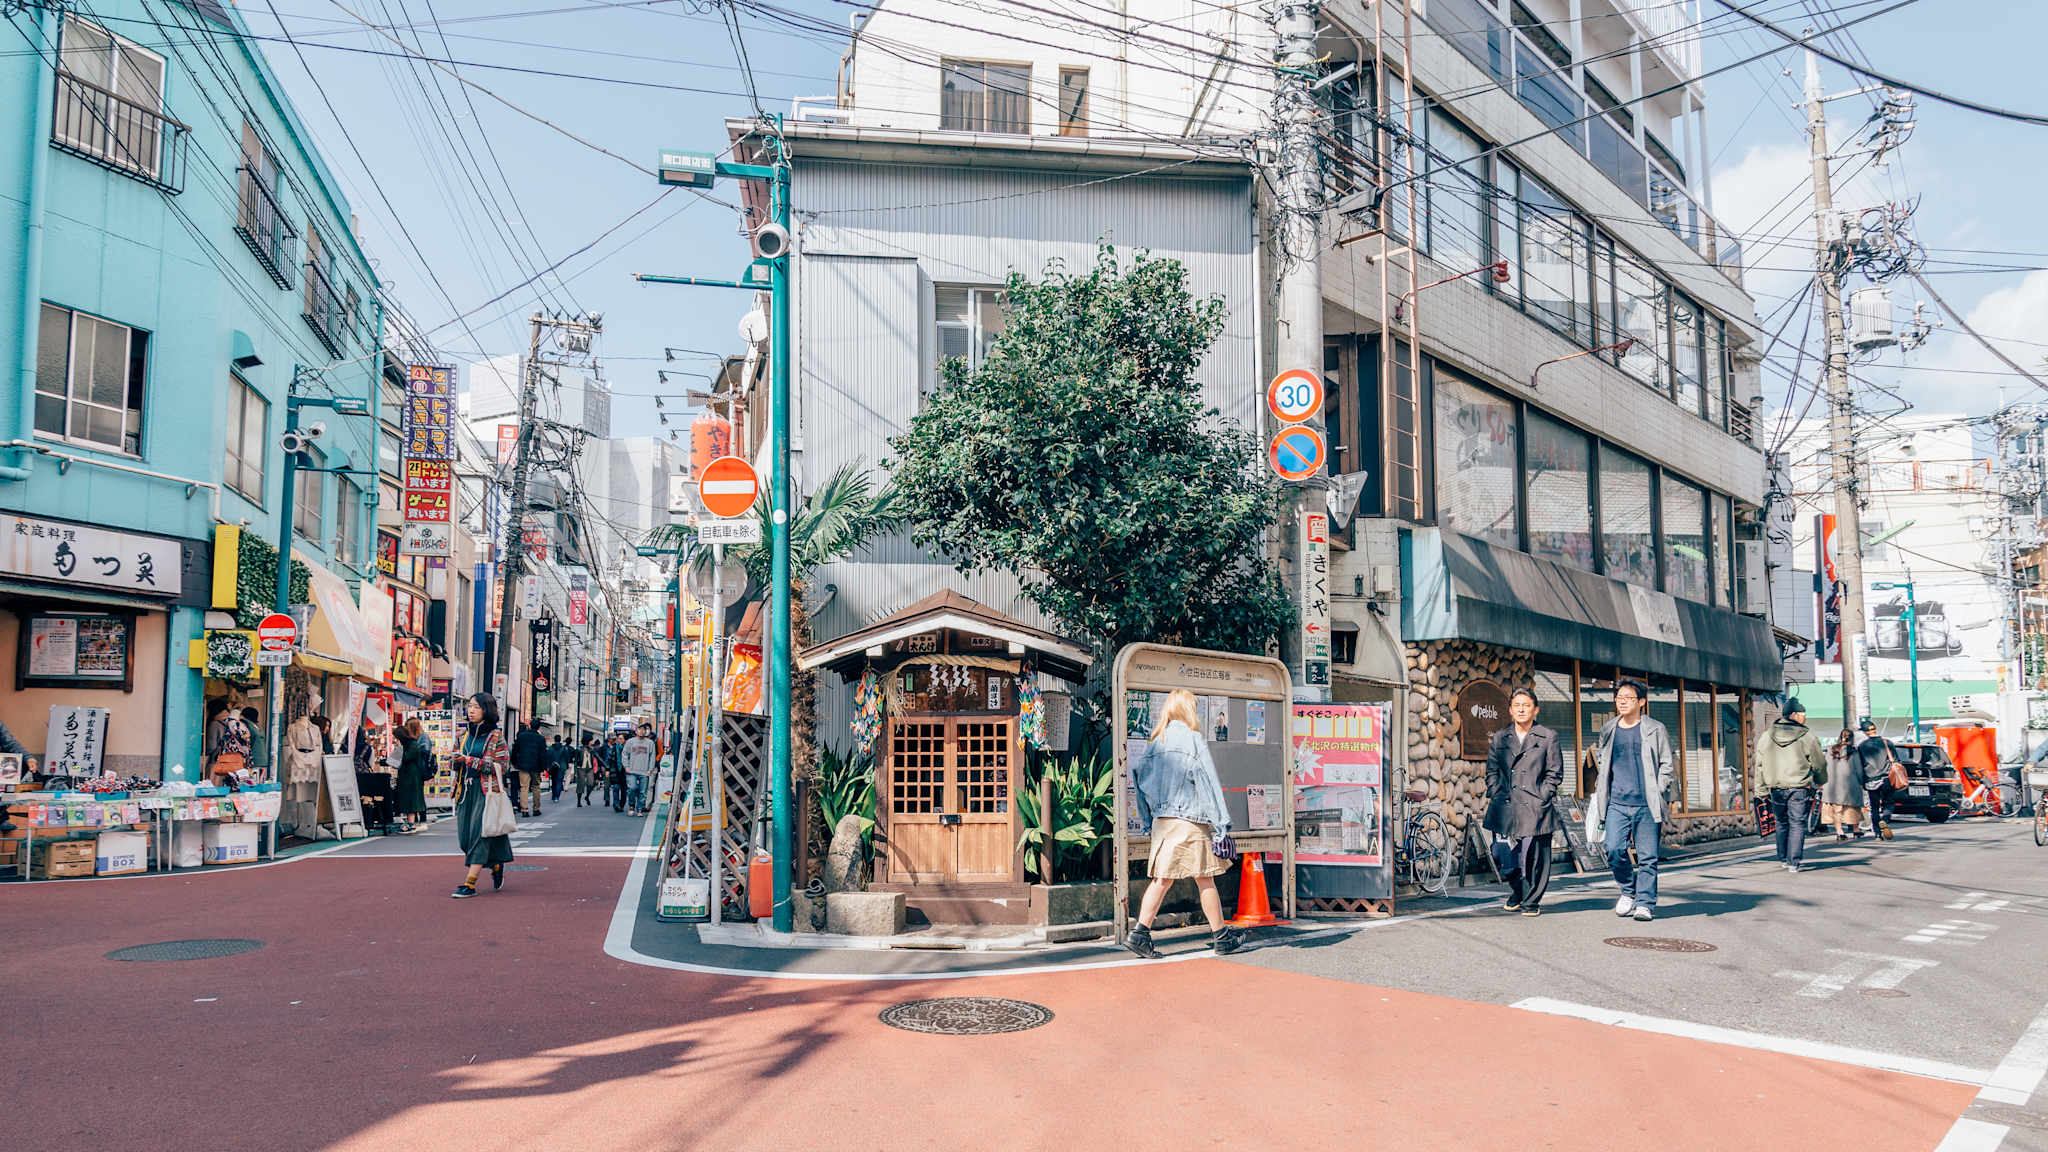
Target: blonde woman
x=1180, y=798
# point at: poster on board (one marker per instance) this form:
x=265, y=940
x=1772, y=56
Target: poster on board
x=77, y=740
x=344, y=803
x=439, y=725
x=1340, y=808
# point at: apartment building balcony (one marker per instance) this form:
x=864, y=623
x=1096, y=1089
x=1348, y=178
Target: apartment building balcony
x=134, y=139
x=325, y=312
x=264, y=226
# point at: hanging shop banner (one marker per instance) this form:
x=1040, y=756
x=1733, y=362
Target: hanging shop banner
x=1830, y=592
x=79, y=554
x=508, y=442
x=1315, y=599
x=426, y=426
x=429, y=486
x=529, y=596
x=1341, y=814
x=579, y=598
x=428, y=540
x=542, y=645
x=427, y=448
x=387, y=553
x=77, y=740
x=534, y=534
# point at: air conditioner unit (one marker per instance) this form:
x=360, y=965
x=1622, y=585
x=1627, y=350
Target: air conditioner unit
x=1752, y=594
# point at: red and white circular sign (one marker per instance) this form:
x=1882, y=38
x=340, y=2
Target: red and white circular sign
x=1295, y=395
x=276, y=632
x=728, y=487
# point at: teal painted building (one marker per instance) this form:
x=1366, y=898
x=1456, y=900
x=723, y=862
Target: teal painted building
x=172, y=253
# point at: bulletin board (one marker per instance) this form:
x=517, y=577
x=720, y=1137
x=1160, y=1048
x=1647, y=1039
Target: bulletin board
x=1246, y=711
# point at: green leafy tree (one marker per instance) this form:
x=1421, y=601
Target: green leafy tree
x=1081, y=458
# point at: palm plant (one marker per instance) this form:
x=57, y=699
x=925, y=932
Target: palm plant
x=846, y=787
x=1083, y=809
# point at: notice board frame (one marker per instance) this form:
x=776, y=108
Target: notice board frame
x=1236, y=677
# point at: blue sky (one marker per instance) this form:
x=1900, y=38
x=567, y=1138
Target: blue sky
x=1975, y=176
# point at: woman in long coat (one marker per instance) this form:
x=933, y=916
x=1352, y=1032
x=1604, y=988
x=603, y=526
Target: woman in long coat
x=409, y=796
x=1524, y=765
x=1841, y=798
x=480, y=768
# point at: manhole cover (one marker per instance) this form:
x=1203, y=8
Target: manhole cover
x=1885, y=993
x=1660, y=944
x=185, y=950
x=966, y=1015
x=2015, y=1117
x=526, y=867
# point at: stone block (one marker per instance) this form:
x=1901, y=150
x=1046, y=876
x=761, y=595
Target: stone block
x=1072, y=903
x=864, y=913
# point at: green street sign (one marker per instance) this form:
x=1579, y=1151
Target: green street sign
x=686, y=169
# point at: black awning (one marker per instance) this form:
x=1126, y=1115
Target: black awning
x=1462, y=588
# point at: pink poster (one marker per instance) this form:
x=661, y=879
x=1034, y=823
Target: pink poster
x=1339, y=784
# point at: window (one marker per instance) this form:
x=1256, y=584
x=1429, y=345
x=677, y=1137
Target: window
x=1729, y=707
x=1696, y=745
x=259, y=219
x=1457, y=205
x=247, y=439
x=1685, y=539
x=1073, y=101
x=1723, y=554
x=1685, y=355
x=1604, y=330
x=1541, y=36
x=1507, y=229
x=1628, y=544
x=1478, y=478
x=1604, y=100
x=975, y=96
x=1596, y=708
x=969, y=321
x=1547, y=92
x=1560, y=491
x=348, y=519
x=1714, y=334
x=1555, y=708
x=110, y=97
x=308, y=498
x=1553, y=258
x=1471, y=27
x=89, y=379
x=323, y=310
x=1639, y=303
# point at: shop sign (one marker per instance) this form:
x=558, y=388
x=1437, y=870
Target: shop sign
x=387, y=553
x=1832, y=590
x=508, y=441
x=425, y=539
x=543, y=647
x=1482, y=710
x=1315, y=600
x=579, y=598
x=79, y=554
x=534, y=534
x=426, y=424
x=924, y=643
x=77, y=740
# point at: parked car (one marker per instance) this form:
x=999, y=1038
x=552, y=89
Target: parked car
x=1934, y=788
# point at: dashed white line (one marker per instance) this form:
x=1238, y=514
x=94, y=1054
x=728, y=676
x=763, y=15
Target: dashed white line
x=1952, y=932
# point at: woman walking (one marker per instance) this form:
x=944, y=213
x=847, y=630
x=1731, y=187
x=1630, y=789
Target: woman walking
x=1524, y=766
x=1181, y=800
x=480, y=770
x=409, y=796
x=227, y=741
x=1841, y=798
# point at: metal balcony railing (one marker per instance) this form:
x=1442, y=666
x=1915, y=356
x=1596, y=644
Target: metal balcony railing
x=263, y=225
x=1741, y=421
x=116, y=133
x=325, y=313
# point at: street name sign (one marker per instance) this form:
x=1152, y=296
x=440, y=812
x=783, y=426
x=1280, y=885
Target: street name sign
x=1297, y=452
x=728, y=487
x=1295, y=395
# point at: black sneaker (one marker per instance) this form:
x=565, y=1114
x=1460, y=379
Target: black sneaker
x=1140, y=942
x=1227, y=941
x=464, y=892
x=497, y=877
x=1531, y=910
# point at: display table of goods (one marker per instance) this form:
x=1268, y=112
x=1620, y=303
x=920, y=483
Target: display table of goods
x=99, y=831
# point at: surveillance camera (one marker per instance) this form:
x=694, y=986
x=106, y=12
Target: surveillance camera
x=293, y=443
x=315, y=430
x=771, y=242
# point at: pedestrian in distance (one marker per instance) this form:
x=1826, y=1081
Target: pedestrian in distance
x=1875, y=758
x=415, y=765
x=637, y=757
x=615, y=772
x=558, y=763
x=259, y=744
x=1524, y=767
x=1841, y=798
x=1790, y=767
x=479, y=770
x=588, y=765
x=1180, y=799
x=227, y=740
x=326, y=734
x=529, y=760
x=1627, y=809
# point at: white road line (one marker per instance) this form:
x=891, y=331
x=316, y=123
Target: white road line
x=1953, y=931
x=1972, y=1136
x=1883, y=972
x=2019, y=1074
x=1787, y=1045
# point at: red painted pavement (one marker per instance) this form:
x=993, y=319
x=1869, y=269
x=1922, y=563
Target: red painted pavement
x=383, y=1015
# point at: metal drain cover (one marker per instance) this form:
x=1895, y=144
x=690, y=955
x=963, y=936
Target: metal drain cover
x=1885, y=993
x=966, y=1015
x=1660, y=944
x=185, y=950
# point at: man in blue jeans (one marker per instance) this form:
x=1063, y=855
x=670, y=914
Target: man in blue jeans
x=1634, y=754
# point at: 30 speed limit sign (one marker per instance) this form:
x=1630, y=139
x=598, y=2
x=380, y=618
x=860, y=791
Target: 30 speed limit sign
x=1295, y=395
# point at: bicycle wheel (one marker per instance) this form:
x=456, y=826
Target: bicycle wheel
x=1429, y=851
x=2040, y=822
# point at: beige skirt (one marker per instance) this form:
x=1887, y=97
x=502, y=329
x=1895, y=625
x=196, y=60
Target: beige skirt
x=1841, y=814
x=1180, y=850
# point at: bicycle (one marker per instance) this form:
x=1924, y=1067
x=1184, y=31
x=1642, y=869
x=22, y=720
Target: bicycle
x=1424, y=855
x=2037, y=784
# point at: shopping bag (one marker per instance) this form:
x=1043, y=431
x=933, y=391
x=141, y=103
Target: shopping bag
x=498, y=817
x=1766, y=820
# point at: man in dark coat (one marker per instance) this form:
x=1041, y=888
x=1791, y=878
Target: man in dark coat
x=1524, y=765
x=529, y=760
x=1874, y=759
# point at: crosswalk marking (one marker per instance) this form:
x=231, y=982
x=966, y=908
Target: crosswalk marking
x=1952, y=932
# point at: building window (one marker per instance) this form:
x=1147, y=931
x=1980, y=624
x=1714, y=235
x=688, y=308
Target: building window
x=1478, y=476
x=1714, y=332
x=324, y=306
x=110, y=100
x=1685, y=356
x=969, y=321
x=89, y=379
x=976, y=96
x=1507, y=229
x=1723, y=555
x=1554, y=260
x=309, y=490
x=1628, y=542
x=247, y=439
x=1695, y=737
x=1073, y=101
x=1639, y=304
x=348, y=518
x=260, y=219
x=1685, y=539
x=1457, y=204
x=1560, y=491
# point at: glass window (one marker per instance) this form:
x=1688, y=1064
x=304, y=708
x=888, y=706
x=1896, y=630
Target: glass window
x=1547, y=93
x=1472, y=28
x=89, y=379
x=1556, y=710
x=247, y=439
x=1639, y=298
x=969, y=320
x=1603, y=294
x=1663, y=708
x=1073, y=101
x=1696, y=744
x=1457, y=206
x=1477, y=476
x=975, y=96
x=1723, y=556
x=348, y=518
x=1560, y=491
x=1715, y=331
x=1685, y=355
x=1734, y=750
x=121, y=122
x=1685, y=539
x=308, y=493
x=1553, y=258
x=1507, y=228
x=1628, y=546
x=1596, y=708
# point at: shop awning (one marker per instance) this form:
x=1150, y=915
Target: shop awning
x=338, y=633
x=76, y=595
x=1456, y=587
x=949, y=609
x=1890, y=699
x=319, y=663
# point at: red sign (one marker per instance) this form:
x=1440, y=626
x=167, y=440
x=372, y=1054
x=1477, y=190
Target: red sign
x=425, y=507
x=508, y=439
x=1297, y=452
x=728, y=487
x=1295, y=395
x=579, y=606
x=276, y=632
x=429, y=475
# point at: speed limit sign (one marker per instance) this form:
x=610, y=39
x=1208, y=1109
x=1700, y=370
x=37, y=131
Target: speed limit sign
x=1295, y=395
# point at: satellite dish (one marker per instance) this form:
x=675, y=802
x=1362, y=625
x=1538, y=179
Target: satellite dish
x=754, y=327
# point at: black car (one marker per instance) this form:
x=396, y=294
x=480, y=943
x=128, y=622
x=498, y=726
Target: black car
x=1934, y=788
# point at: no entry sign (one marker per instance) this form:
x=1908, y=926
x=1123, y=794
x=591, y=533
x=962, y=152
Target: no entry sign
x=728, y=487
x=1297, y=452
x=274, y=636
x=1295, y=395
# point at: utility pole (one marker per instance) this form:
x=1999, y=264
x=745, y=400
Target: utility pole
x=1298, y=230
x=1830, y=261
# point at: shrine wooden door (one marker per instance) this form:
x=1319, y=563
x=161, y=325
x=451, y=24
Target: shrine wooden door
x=947, y=808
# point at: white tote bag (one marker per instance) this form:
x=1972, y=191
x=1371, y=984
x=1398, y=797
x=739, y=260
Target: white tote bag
x=499, y=819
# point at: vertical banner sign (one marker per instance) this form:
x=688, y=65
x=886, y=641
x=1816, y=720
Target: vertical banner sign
x=508, y=442
x=1830, y=615
x=543, y=648
x=1341, y=815
x=1315, y=599
x=427, y=453
x=1859, y=657
x=77, y=740
x=579, y=598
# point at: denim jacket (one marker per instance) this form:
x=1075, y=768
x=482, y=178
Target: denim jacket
x=1176, y=777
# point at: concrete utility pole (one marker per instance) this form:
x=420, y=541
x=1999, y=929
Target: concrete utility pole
x=1298, y=231
x=1830, y=261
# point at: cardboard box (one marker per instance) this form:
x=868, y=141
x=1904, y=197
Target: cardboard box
x=55, y=859
x=231, y=843
x=121, y=854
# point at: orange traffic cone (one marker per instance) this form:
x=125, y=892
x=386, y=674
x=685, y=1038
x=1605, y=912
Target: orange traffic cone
x=1253, y=909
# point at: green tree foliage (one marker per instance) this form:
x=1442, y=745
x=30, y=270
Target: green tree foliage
x=1080, y=458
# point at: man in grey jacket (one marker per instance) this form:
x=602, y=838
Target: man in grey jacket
x=1634, y=754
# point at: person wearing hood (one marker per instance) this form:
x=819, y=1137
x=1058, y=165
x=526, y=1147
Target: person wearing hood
x=1841, y=802
x=1790, y=765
